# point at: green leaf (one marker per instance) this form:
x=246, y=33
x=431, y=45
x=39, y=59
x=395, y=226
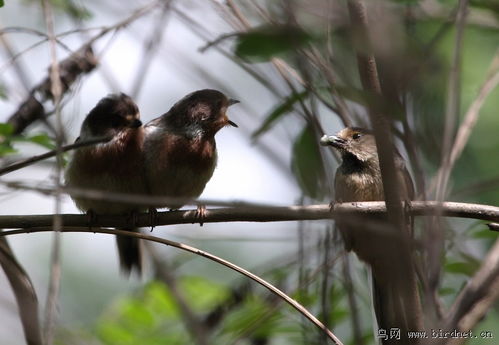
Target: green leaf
x=461, y=267
x=252, y=312
x=39, y=139
x=307, y=164
x=280, y=110
x=42, y=140
x=265, y=42
x=1, y=3
x=202, y=293
x=446, y=291
x=484, y=234
x=6, y=129
x=6, y=149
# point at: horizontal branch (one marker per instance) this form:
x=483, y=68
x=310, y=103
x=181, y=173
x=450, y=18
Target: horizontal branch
x=256, y=214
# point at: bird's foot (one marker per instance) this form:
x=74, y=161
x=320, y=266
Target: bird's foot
x=201, y=213
x=331, y=206
x=153, y=217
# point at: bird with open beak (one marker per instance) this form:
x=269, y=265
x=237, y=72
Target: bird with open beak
x=180, y=149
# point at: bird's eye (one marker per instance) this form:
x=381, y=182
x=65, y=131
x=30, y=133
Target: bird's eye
x=356, y=136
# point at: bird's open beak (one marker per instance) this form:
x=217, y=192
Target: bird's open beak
x=232, y=102
x=232, y=123
x=332, y=140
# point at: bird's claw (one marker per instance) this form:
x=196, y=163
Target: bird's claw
x=201, y=213
x=153, y=217
x=331, y=206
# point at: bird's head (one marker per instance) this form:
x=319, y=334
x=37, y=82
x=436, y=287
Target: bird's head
x=357, y=142
x=202, y=111
x=111, y=116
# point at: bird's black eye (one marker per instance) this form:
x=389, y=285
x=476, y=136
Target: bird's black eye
x=356, y=136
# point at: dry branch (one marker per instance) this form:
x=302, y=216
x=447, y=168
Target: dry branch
x=70, y=69
x=24, y=292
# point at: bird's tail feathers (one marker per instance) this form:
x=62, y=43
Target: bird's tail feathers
x=129, y=253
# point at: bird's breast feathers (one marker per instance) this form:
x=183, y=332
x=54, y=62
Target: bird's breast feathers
x=178, y=166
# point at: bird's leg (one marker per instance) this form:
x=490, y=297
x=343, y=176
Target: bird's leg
x=409, y=221
x=91, y=218
x=201, y=213
x=331, y=205
x=153, y=217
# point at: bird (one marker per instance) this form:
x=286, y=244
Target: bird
x=180, y=149
x=358, y=178
x=114, y=166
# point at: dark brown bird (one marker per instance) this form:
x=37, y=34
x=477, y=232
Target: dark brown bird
x=115, y=166
x=358, y=178
x=180, y=150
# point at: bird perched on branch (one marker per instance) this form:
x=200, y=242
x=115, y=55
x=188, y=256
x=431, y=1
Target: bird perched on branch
x=114, y=166
x=358, y=178
x=179, y=148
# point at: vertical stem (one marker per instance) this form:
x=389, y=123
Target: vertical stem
x=55, y=270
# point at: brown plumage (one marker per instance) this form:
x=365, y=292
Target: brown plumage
x=358, y=178
x=180, y=150
x=115, y=166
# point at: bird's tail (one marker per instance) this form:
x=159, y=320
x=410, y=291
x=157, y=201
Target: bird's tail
x=130, y=253
x=396, y=310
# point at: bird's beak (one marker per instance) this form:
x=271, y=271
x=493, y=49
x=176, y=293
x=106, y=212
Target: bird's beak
x=135, y=123
x=233, y=101
x=232, y=123
x=333, y=140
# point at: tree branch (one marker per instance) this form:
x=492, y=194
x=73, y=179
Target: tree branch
x=24, y=292
x=81, y=62
x=254, y=214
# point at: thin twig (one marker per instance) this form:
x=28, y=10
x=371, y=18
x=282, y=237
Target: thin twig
x=24, y=292
x=56, y=90
x=211, y=257
x=453, y=100
x=28, y=161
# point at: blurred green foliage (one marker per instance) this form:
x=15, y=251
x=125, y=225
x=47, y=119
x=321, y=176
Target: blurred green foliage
x=7, y=138
x=72, y=8
x=269, y=41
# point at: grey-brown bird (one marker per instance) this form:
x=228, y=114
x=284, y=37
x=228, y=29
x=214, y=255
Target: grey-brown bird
x=115, y=166
x=358, y=178
x=180, y=149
